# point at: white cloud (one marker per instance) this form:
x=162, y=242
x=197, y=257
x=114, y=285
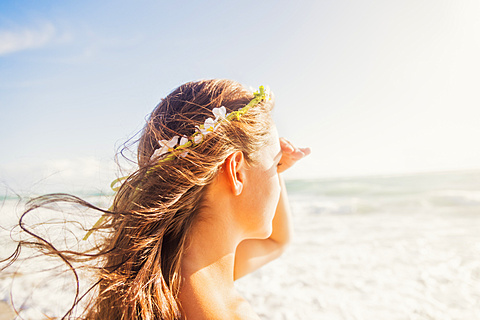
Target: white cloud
x=13, y=41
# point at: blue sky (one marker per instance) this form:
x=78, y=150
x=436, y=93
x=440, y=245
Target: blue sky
x=374, y=87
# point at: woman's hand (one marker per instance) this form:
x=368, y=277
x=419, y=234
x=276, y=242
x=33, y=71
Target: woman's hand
x=290, y=154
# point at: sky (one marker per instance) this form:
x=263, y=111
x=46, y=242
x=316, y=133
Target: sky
x=373, y=87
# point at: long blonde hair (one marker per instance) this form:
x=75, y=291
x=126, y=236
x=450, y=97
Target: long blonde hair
x=154, y=209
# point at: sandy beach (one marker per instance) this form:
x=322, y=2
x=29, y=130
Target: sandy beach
x=373, y=267
x=386, y=248
x=6, y=312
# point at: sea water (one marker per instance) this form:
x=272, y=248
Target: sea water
x=398, y=247
x=390, y=247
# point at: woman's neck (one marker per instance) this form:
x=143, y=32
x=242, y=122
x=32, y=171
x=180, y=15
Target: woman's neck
x=210, y=252
x=207, y=290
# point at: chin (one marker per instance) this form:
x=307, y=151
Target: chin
x=264, y=233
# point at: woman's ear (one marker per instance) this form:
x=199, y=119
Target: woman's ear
x=234, y=172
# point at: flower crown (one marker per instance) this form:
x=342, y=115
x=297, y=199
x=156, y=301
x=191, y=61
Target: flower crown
x=177, y=146
x=169, y=149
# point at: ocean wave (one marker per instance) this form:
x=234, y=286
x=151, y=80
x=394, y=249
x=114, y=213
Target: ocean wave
x=449, y=198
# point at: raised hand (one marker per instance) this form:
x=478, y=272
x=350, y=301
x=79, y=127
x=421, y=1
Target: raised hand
x=290, y=154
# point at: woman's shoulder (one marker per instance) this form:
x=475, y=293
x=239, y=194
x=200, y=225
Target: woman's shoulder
x=242, y=310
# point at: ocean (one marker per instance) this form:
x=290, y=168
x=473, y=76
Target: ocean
x=386, y=247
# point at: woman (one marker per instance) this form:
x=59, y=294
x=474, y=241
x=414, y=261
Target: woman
x=205, y=207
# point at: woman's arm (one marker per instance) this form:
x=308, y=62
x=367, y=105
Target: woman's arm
x=251, y=254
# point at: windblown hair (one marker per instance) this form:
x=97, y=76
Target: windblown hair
x=148, y=225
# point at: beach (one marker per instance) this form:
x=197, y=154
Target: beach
x=390, y=247
x=405, y=247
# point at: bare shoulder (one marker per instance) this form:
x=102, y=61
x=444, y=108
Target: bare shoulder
x=230, y=305
x=244, y=311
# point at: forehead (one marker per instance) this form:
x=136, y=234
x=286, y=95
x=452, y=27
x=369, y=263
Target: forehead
x=273, y=147
x=269, y=152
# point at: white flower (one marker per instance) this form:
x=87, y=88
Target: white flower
x=209, y=125
x=157, y=154
x=220, y=113
x=198, y=137
x=170, y=144
x=268, y=93
x=165, y=147
x=183, y=141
